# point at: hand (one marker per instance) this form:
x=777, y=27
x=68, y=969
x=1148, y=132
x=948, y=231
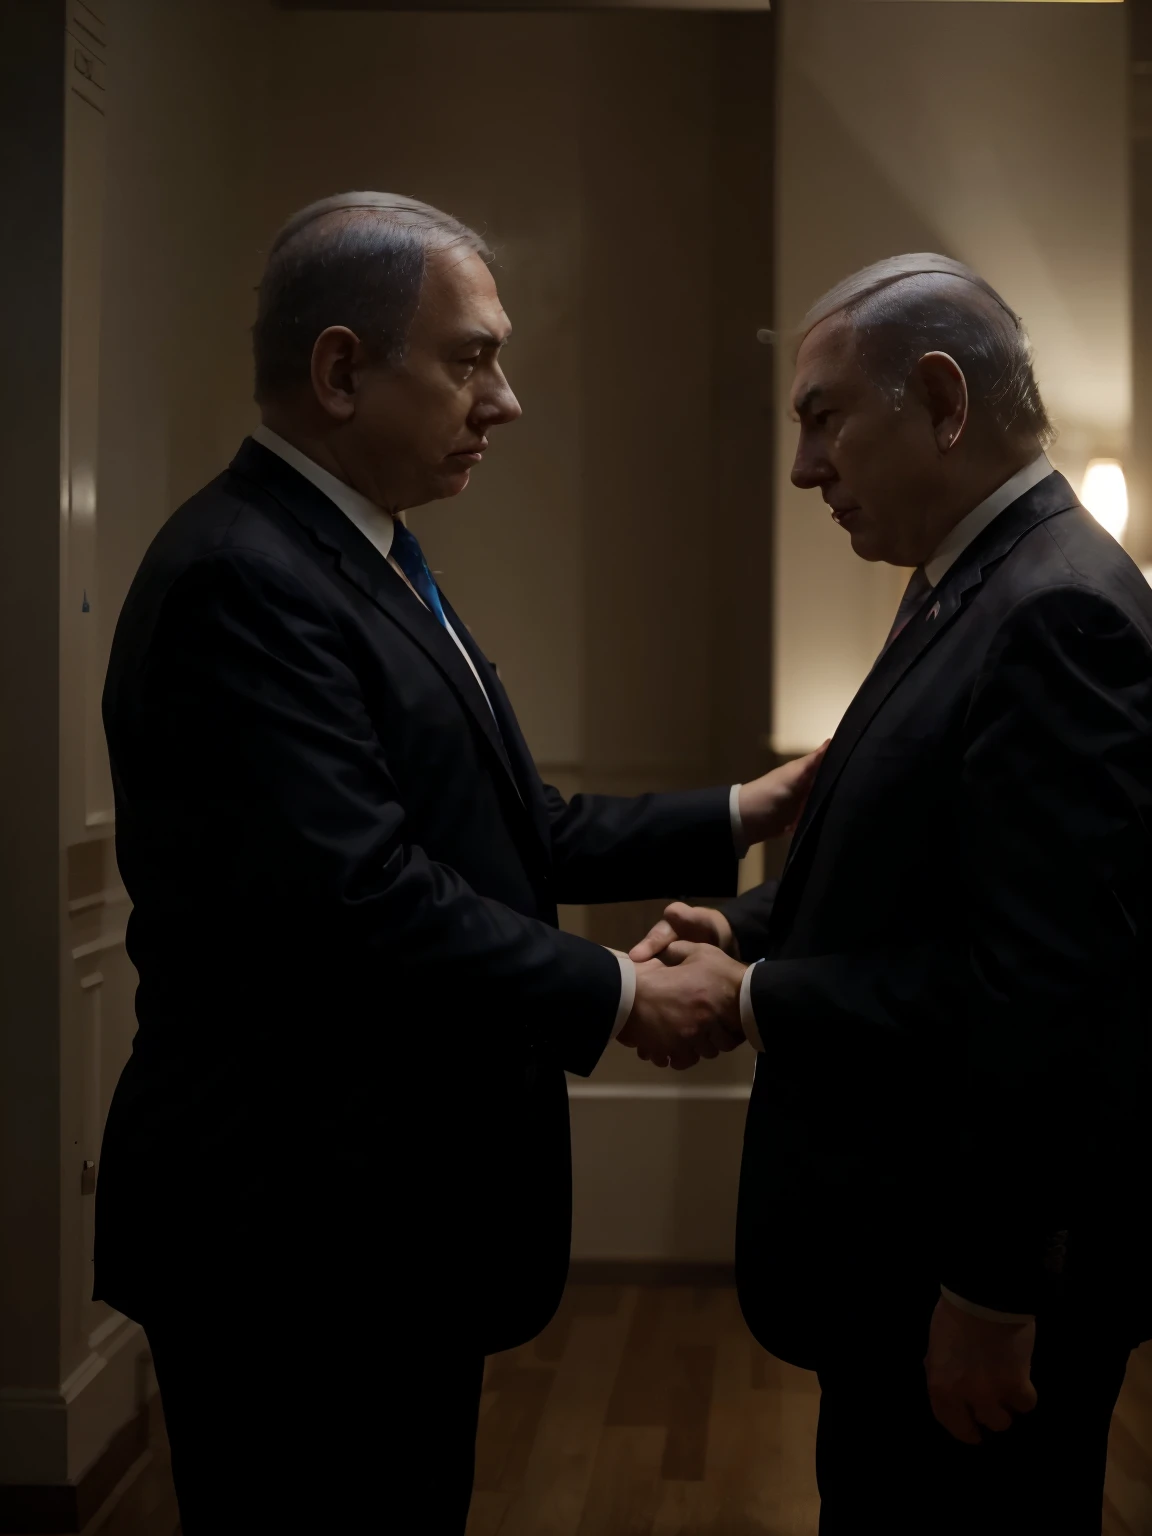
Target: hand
x=699, y=925
x=772, y=805
x=687, y=1006
x=978, y=1371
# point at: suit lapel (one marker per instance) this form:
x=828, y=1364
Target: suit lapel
x=363, y=565
x=522, y=765
x=939, y=611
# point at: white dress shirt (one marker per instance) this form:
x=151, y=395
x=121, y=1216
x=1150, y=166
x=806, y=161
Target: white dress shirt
x=376, y=526
x=951, y=548
x=373, y=522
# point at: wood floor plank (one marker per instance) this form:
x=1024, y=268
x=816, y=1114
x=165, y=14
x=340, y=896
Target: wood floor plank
x=509, y=1419
x=624, y=1488
x=652, y=1412
x=1113, y=1524
x=551, y=1497
x=1135, y=1406
x=760, y=1448
x=688, y=1409
x=486, y=1515
x=687, y=1507
x=640, y=1392
x=1128, y=1483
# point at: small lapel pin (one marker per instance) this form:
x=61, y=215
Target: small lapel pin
x=934, y=611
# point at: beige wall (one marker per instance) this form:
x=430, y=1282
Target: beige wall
x=993, y=133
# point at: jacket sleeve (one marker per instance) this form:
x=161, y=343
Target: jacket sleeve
x=1031, y=1006
x=620, y=848
x=247, y=657
x=749, y=916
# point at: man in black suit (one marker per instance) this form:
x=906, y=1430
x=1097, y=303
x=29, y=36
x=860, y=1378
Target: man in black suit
x=336, y=1169
x=944, y=1187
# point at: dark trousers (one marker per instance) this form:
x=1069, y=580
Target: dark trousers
x=312, y=1422
x=884, y=1463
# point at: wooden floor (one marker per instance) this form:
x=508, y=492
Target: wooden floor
x=649, y=1411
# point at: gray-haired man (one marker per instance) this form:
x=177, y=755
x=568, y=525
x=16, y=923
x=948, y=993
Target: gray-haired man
x=947, y=1150
x=336, y=1169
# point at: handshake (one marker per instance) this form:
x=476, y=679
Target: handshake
x=688, y=968
x=687, y=989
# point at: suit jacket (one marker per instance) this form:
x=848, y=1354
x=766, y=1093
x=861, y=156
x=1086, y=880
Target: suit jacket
x=355, y=1006
x=954, y=1006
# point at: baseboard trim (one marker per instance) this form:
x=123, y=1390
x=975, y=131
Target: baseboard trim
x=737, y=1093
x=63, y=1509
x=650, y=1272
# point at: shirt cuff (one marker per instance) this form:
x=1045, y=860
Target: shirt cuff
x=627, y=993
x=747, y=1012
x=989, y=1314
x=739, y=838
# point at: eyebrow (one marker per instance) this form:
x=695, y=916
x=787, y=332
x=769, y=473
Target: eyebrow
x=806, y=401
x=485, y=339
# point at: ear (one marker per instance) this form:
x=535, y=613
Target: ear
x=946, y=396
x=336, y=361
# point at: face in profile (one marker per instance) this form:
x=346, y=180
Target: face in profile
x=875, y=461
x=421, y=425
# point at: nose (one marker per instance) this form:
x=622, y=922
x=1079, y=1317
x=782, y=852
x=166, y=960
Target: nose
x=809, y=468
x=499, y=404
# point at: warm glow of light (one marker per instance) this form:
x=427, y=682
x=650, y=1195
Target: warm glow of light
x=1105, y=494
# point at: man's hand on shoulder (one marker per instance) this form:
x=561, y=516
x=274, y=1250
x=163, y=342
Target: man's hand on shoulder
x=774, y=803
x=978, y=1371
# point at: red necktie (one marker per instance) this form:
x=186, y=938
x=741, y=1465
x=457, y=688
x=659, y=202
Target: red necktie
x=914, y=594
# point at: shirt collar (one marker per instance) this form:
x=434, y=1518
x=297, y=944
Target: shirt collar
x=373, y=522
x=958, y=540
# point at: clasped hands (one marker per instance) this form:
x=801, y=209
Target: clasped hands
x=688, y=968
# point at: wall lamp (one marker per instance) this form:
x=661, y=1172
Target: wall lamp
x=1104, y=492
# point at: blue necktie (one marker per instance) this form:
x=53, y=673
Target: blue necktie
x=409, y=557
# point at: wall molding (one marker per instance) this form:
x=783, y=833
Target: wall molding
x=51, y=1438
x=59, y=1509
x=97, y=946
x=113, y=896
x=656, y=1168
x=687, y=1092
x=650, y=1272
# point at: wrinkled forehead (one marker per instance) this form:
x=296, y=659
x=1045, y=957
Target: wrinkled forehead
x=827, y=362
x=459, y=290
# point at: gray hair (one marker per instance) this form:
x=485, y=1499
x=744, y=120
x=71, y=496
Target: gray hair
x=357, y=260
x=905, y=306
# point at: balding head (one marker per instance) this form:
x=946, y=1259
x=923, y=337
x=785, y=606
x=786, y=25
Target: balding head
x=916, y=399
x=356, y=260
x=378, y=343
x=907, y=306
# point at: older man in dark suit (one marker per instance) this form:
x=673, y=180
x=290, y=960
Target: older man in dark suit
x=336, y=1168
x=946, y=1157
